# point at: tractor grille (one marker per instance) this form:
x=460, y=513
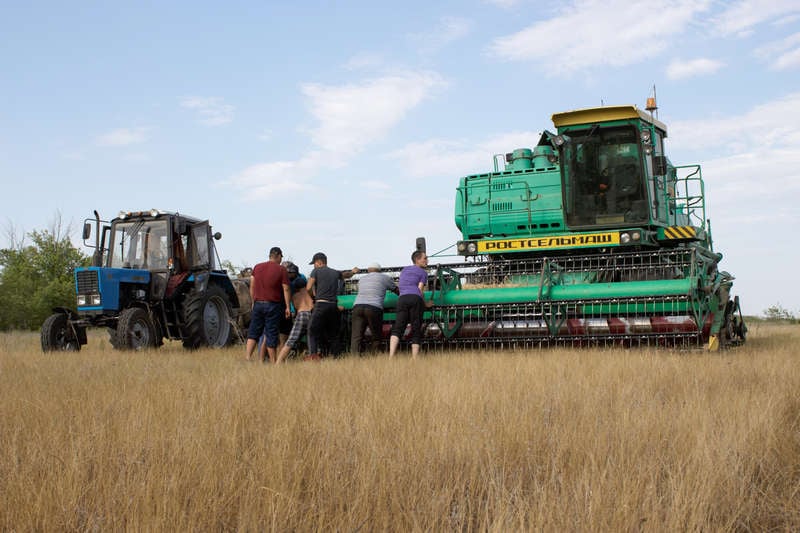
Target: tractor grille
x=87, y=282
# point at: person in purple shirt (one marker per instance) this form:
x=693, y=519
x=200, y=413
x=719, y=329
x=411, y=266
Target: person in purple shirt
x=411, y=303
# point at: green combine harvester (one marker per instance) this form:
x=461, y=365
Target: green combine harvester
x=591, y=238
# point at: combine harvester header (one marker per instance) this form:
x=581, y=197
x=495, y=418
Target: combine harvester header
x=592, y=237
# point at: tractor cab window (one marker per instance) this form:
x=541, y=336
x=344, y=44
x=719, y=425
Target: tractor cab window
x=603, y=178
x=139, y=244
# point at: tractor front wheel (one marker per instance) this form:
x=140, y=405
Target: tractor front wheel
x=207, y=318
x=135, y=330
x=58, y=336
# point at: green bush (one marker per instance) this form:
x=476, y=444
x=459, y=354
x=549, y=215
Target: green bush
x=37, y=277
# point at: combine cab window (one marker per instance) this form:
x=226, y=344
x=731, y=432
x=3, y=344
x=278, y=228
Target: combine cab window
x=139, y=244
x=603, y=178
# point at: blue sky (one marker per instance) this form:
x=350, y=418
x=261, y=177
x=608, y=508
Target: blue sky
x=345, y=126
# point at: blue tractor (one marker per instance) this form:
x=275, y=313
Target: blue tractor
x=155, y=275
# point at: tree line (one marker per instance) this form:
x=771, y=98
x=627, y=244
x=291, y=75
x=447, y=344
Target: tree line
x=36, y=275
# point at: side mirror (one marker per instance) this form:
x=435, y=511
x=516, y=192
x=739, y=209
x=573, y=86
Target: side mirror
x=217, y=236
x=87, y=231
x=421, y=244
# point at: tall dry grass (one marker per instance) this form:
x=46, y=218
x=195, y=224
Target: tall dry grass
x=555, y=440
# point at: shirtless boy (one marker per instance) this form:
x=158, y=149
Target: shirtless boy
x=303, y=304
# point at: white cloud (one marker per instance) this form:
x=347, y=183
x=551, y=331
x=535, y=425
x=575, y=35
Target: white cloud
x=505, y=4
x=212, y=111
x=603, y=33
x=138, y=157
x=353, y=115
x=789, y=60
x=679, y=69
x=350, y=117
x=439, y=157
x=448, y=30
x=774, y=124
x=376, y=189
x=122, y=137
x=74, y=155
x=740, y=17
x=364, y=60
x=278, y=177
x=783, y=54
x=375, y=185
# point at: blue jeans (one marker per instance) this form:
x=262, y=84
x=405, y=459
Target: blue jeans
x=265, y=319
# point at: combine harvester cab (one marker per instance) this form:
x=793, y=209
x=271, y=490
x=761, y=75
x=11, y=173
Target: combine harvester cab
x=593, y=237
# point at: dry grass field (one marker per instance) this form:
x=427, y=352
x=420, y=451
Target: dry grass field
x=556, y=440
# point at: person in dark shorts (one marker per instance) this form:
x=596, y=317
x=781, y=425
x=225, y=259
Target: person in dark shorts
x=269, y=291
x=411, y=304
x=368, y=308
x=323, y=285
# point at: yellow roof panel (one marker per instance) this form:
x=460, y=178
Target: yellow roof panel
x=593, y=115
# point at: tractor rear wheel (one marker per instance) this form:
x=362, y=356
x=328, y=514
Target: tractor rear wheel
x=207, y=319
x=58, y=336
x=135, y=330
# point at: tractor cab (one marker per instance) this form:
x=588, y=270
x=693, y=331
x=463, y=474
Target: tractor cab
x=159, y=242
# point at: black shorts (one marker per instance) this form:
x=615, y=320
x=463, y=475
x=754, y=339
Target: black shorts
x=410, y=308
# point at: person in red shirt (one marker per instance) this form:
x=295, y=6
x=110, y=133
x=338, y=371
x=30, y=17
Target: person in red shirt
x=269, y=292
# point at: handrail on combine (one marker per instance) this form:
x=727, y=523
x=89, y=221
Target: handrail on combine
x=692, y=198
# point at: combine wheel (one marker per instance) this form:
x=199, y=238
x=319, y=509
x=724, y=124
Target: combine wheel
x=207, y=317
x=135, y=330
x=58, y=336
x=734, y=329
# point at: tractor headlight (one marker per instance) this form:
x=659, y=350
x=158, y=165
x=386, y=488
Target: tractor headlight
x=96, y=299
x=462, y=246
x=624, y=238
x=472, y=248
x=81, y=300
x=636, y=236
x=645, y=136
